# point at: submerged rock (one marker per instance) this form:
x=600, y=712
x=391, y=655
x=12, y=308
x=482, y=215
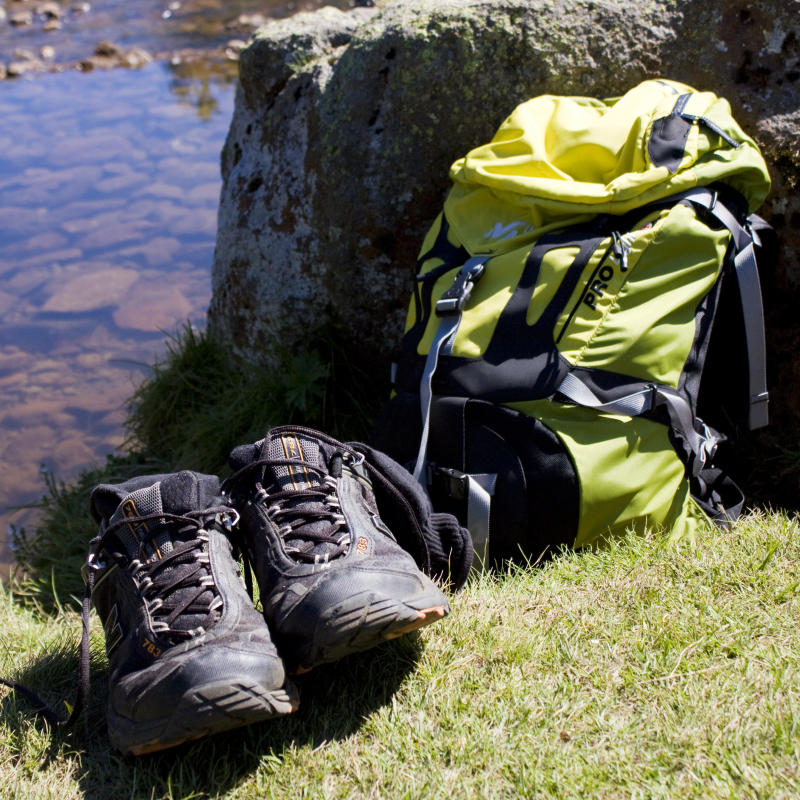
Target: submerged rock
x=346, y=125
x=17, y=68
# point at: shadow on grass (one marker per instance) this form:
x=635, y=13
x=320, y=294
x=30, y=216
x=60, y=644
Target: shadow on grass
x=335, y=701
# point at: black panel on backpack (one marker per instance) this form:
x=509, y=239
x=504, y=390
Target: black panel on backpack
x=536, y=505
x=667, y=145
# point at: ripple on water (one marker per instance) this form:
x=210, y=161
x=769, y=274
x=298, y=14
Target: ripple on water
x=109, y=186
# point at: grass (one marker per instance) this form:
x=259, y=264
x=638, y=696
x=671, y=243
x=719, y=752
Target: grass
x=641, y=671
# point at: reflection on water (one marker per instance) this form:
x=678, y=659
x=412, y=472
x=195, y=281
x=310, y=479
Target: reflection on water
x=108, y=197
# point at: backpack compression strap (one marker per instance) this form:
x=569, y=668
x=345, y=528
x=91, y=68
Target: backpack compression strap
x=448, y=308
x=745, y=240
x=479, y=488
x=649, y=396
x=703, y=445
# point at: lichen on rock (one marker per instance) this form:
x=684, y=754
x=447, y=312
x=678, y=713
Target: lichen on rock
x=346, y=125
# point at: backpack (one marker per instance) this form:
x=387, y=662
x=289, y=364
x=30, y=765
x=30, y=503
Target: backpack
x=548, y=380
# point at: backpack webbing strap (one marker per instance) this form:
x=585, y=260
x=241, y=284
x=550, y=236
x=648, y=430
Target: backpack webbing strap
x=447, y=418
x=479, y=505
x=703, y=446
x=745, y=241
x=449, y=308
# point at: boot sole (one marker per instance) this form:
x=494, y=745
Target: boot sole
x=366, y=620
x=211, y=708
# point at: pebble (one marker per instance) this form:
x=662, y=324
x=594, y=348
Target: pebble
x=48, y=52
x=18, y=68
x=108, y=55
x=51, y=10
x=134, y=58
x=52, y=25
x=2, y=71
x=251, y=21
x=149, y=307
x=89, y=292
x=80, y=8
x=106, y=48
x=21, y=18
x=72, y=453
x=2, y=13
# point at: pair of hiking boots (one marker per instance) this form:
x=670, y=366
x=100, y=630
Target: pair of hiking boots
x=343, y=544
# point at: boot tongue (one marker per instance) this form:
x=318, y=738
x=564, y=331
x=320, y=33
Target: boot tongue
x=177, y=494
x=294, y=447
x=143, y=503
x=300, y=446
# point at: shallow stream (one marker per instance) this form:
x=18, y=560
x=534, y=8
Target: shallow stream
x=109, y=187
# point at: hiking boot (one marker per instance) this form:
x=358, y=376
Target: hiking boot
x=188, y=654
x=332, y=578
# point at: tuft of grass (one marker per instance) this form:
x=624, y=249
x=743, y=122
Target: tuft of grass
x=198, y=404
x=643, y=670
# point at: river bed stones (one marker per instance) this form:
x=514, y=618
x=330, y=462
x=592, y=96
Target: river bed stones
x=346, y=125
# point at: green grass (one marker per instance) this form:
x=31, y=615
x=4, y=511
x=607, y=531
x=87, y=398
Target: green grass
x=641, y=671
x=198, y=405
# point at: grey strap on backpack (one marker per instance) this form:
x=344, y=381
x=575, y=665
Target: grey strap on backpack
x=448, y=308
x=745, y=240
x=479, y=488
x=703, y=446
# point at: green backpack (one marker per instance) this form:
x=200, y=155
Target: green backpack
x=548, y=382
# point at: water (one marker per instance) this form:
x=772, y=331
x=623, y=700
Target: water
x=109, y=187
x=158, y=26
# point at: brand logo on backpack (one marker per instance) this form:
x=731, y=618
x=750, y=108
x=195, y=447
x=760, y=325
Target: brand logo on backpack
x=504, y=232
x=597, y=287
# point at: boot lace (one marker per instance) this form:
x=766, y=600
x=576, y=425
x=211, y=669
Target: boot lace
x=185, y=567
x=296, y=512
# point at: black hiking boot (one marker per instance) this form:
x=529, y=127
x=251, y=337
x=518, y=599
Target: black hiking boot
x=188, y=654
x=332, y=578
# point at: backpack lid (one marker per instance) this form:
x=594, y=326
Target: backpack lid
x=559, y=161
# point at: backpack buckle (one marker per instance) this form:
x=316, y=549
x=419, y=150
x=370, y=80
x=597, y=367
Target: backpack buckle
x=455, y=298
x=452, y=481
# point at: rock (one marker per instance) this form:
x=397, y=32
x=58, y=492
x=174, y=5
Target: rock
x=48, y=52
x=21, y=18
x=150, y=306
x=73, y=453
x=107, y=49
x=50, y=10
x=52, y=25
x=3, y=72
x=234, y=47
x=17, y=68
x=345, y=127
x=108, y=55
x=135, y=58
x=248, y=22
x=2, y=13
x=87, y=292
